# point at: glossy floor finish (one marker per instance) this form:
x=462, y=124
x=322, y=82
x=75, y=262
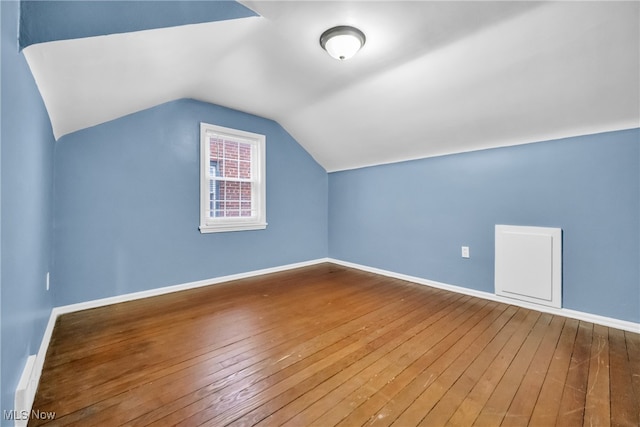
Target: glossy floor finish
x=327, y=345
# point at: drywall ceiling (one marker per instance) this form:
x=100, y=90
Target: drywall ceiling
x=433, y=78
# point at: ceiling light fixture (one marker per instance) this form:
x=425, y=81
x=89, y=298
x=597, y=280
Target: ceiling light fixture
x=342, y=42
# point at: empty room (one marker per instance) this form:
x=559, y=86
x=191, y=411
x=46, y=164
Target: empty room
x=320, y=213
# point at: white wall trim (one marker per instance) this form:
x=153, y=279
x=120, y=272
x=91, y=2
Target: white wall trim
x=181, y=287
x=25, y=394
x=574, y=314
x=57, y=311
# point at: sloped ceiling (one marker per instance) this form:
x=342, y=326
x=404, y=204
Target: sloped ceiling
x=433, y=78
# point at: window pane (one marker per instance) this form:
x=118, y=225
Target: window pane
x=231, y=150
x=231, y=168
x=244, y=169
x=232, y=199
x=245, y=191
x=230, y=159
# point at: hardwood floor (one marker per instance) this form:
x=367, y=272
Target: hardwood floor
x=327, y=345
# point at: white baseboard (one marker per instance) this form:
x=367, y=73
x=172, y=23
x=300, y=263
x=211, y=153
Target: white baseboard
x=57, y=311
x=181, y=287
x=25, y=393
x=587, y=317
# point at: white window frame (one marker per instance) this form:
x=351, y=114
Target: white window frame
x=258, y=191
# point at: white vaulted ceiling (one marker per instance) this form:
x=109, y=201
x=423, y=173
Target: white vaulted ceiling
x=433, y=78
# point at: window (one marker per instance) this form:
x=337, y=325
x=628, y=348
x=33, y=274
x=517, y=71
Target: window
x=232, y=180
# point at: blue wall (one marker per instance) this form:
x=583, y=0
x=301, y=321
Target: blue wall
x=26, y=172
x=127, y=205
x=44, y=21
x=413, y=217
x=123, y=214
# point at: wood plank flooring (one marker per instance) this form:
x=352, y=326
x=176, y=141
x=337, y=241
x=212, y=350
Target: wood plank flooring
x=327, y=345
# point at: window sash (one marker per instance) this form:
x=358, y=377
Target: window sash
x=251, y=215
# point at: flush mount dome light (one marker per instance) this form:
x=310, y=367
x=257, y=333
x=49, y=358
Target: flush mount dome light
x=342, y=42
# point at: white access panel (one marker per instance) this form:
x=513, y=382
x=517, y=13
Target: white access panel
x=528, y=264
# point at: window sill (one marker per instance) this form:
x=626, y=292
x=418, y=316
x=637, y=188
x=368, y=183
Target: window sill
x=231, y=227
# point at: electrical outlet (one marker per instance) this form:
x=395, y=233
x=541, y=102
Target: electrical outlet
x=465, y=252
x=48, y=277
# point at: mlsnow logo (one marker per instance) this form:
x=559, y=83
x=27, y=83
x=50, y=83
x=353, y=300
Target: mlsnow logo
x=34, y=414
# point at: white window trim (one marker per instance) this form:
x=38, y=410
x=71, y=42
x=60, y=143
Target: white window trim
x=257, y=222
